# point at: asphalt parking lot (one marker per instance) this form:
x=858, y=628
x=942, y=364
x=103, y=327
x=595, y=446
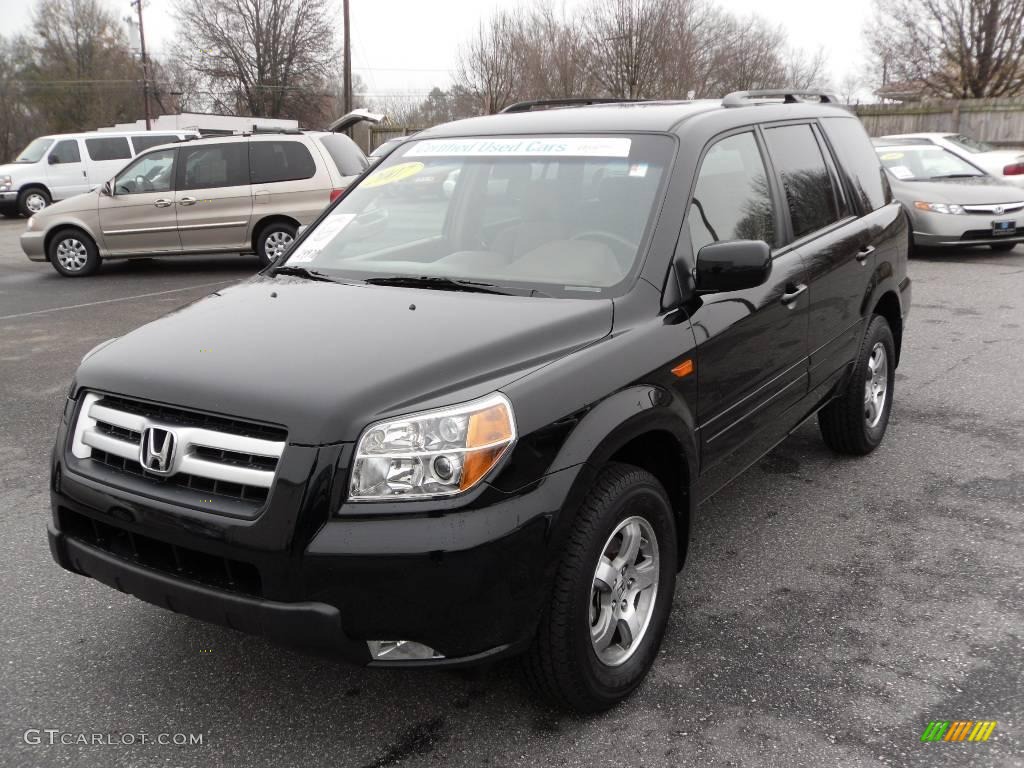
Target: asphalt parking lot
x=830, y=609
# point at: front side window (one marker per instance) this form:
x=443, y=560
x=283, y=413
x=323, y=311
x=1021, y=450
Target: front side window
x=560, y=215
x=114, y=148
x=280, y=161
x=731, y=200
x=34, y=152
x=150, y=173
x=213, y=165
x=65, y=152
x=810, y=195
x=925, y=164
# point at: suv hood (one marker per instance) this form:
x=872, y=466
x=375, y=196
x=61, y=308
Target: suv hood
x=325, y=359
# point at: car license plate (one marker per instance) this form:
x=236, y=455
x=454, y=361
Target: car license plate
x=1004, y=227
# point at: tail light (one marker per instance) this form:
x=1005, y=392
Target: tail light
x=1014, y=169
x=336, y=193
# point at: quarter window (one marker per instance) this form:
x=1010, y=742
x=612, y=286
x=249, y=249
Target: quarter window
x=65, y=152
x=810, y=195
x=857, y=157
x=213, y=165
x=280, y=161
x=114, y=148
x=731, y=200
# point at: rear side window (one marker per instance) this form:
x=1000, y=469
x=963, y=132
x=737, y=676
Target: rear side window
x=213, y=165
x=347, y=156
x=280, y=161
x=810, y=195
x=65, y=152
x=114, y=148
x=853, y=148
x=731, y=200
x=142, y=143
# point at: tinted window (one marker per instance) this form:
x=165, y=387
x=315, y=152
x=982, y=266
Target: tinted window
x=142, y=143
x=857, y=157
x=213, y=165
x=149, y=173
x=731, y=200
x=280, y=161
x=347, y=156
x=66, y=152
x=805, y=180
x=114, y=148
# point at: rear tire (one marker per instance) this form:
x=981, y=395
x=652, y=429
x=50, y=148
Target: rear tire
x=73, y=253
x=274, y=240
x=32, y=200
x=855, y=422
x=1002, y=246
x=597, y=640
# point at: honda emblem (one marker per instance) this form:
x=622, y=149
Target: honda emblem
x=156, y=453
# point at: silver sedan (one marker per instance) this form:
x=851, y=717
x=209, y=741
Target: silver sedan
x=950, y=201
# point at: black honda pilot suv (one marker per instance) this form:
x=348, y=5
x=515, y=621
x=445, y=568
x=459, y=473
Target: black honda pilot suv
x=475, y=418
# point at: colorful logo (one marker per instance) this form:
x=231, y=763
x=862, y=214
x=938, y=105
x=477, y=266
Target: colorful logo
x=958, y=730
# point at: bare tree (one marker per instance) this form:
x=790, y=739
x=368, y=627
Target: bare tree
x=265, y=58
x=954, y=48
x=559, y=57
x=492, y=64
x=631, y=43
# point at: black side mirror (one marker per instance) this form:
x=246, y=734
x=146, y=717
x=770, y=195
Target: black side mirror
x=733, y=265
x=52, y=159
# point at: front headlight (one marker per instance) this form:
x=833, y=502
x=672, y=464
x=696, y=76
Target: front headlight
x=939, y=207
x=434, y=453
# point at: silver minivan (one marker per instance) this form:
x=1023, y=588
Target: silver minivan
x=60, y=166
x=229, y=194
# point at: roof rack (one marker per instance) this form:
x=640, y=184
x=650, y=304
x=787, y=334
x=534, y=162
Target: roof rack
x=256, y=129
x=582, y=101
x=767, y=96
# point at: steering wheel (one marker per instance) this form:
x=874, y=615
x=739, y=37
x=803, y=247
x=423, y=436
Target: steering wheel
x=600, y=234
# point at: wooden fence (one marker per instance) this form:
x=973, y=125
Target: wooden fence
x=997, y=121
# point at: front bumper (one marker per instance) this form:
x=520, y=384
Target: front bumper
x=466, y=581
x=943, y=229
x=34, y=245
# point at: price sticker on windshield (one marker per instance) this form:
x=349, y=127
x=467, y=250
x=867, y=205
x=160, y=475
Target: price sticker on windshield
x=320, y=237
x=391, y=175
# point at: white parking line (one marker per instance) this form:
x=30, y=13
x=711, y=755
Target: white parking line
x=111, y=301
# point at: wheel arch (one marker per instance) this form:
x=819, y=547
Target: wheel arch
x=269, y=219
x=35, y=185
x=888, y=306
x=55, y=230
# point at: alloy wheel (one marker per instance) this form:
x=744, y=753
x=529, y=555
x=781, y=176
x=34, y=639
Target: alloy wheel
x=624, y=590
x=875, y=386
x=277, y=243
x=72, y=254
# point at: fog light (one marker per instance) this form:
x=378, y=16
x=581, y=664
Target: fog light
x=400, y=650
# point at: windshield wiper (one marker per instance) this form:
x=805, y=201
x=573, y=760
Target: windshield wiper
x=308, y=274
x=438, y=283
x=957, y=176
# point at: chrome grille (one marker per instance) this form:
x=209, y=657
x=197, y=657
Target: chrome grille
x=991, y=208
x=212, y=455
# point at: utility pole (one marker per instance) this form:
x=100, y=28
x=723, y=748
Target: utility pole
x=348, y=60
x=145, y=66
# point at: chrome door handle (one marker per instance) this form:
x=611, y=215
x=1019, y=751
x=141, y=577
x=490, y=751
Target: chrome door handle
x=863, y=253
x=187, y=201
x=163, y=203
x=792, y=292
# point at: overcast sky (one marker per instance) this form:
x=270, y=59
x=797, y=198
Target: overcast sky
x=403, y=46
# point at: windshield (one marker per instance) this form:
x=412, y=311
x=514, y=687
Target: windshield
x=966, y=142
x=925, y=164
x=562, y=215
x=34, y=152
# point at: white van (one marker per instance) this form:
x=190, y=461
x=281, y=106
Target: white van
x=56, y=167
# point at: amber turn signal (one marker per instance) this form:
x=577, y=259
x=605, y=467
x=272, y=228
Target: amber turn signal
x=685, y=368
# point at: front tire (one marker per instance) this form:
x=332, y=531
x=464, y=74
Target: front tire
x=32, y=200
x=274, y=240
x=855, y=421
x=600, y=632
x=1002, y=246
x=73, y=253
